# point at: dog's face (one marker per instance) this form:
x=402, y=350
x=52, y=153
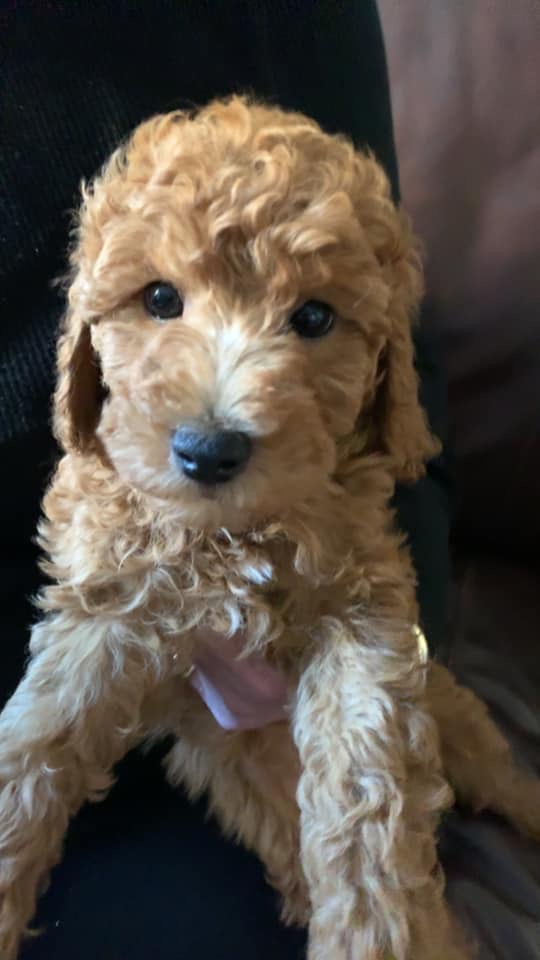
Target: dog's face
x=243, y=292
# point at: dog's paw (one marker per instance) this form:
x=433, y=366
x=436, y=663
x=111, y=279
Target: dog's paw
x=339, y=945
x=519, y=802
x=11, y=927
x=17, y=899
x=296, y=908
x=352, y=943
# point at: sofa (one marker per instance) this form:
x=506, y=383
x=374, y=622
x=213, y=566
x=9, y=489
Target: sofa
x=464, y=81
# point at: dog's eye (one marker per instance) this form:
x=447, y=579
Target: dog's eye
x=313, y=319
x=162, y=300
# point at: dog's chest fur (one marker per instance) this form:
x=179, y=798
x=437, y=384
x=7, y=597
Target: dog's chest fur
x=116, y=556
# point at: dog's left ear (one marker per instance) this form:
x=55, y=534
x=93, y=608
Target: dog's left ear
x=402, y=424
x=402, y=429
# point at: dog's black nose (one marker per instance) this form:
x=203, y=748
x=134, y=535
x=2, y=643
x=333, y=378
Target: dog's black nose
x=210, y=456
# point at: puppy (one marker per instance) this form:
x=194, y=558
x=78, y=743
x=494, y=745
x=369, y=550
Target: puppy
x=236, y=400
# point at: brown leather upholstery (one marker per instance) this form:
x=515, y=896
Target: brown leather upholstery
x=466, y=95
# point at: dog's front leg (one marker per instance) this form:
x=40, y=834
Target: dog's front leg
x=370, y=793
x=71, y=718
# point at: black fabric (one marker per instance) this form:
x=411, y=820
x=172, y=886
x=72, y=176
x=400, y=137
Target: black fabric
x=146, y=876
x=143, y=874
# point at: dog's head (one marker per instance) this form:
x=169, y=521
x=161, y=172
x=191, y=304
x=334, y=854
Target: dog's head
x=242, y=296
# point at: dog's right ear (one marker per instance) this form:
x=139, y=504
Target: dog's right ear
x=79, y=391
